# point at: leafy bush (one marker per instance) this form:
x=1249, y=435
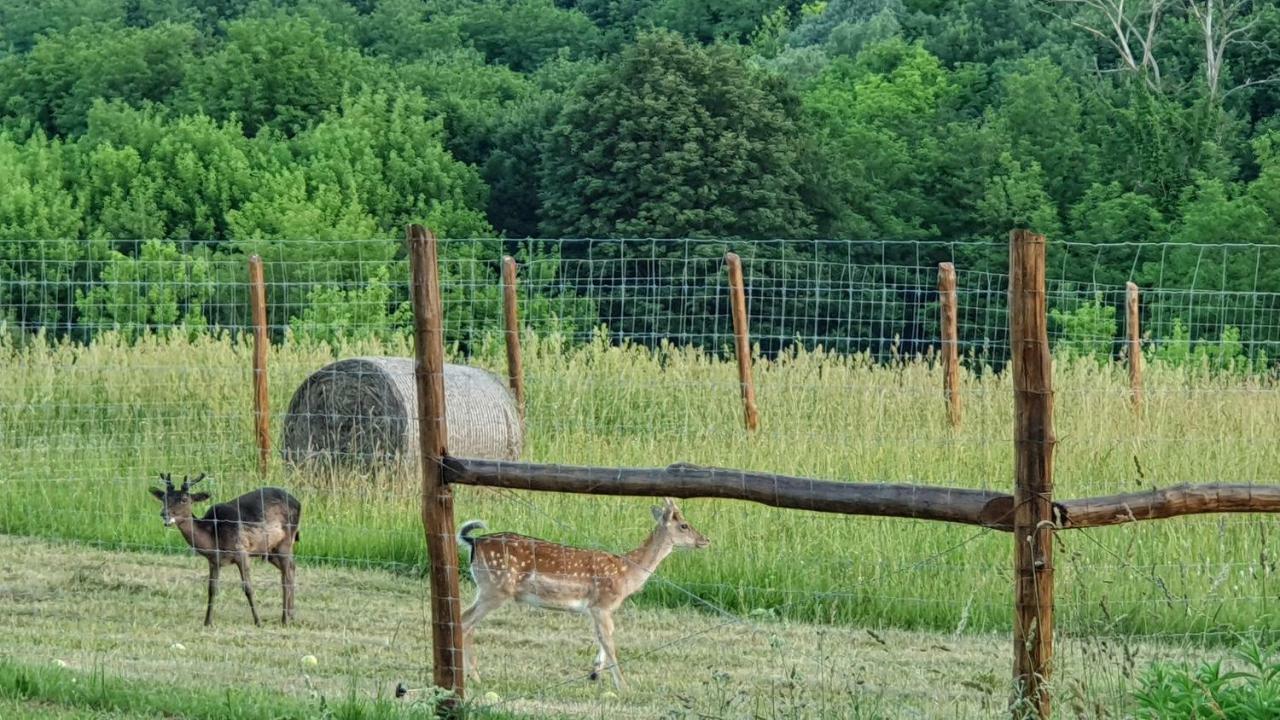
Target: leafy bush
x=1227, y=354
x=1087, y=331
x=157, y=290
x=1248, y=688
x=334, y=314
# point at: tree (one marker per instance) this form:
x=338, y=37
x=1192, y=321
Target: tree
x=671, y=140
x=22, y=22
x=1016, y=197
x=1039, y=110
x=386, y=154
x=406, y=30
x=523, y=34
x=42, y=258
x=57, y=83
x=279, y=72
x=709, y=20
x=816, y=28
x=875, y=122
x=1136, y=34
x=984, y=32
x=147, y=176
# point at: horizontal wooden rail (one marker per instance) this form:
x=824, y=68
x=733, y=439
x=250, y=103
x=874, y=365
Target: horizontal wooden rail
x=923, y=502
x=1159, y=504
x=688, y=481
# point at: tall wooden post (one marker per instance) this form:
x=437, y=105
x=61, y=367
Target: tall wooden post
x=437, y=498
x=1034, y=441
x=950, y=342
x=261, y=341
x=742, y=340
x=511, y=313
x=1135, y=346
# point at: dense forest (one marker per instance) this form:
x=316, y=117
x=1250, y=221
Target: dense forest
x=191, y=130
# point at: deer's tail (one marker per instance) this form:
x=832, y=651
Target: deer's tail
x=464, y=534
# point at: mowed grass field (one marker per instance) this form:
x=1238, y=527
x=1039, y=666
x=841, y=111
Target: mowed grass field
x=86, y=429
x=90, y=633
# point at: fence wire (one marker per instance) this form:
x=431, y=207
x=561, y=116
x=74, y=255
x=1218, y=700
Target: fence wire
x=127, y=360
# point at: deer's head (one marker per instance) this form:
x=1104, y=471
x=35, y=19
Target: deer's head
x=671, y=522
x=177, y=501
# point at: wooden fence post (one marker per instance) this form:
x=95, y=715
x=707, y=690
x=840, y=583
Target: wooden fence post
x=1034, y=440
x=950, y=342
x=510, y=308
x=742, y=340
x=261, y=341
x=437, y=498
x=1135, y=346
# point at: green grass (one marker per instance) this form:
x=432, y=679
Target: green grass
x=86, y=428
x=55, y=692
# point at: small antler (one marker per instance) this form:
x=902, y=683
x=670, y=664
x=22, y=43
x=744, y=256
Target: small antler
x=168, y=480
x=187, y=485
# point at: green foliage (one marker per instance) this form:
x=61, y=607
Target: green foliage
x=1247, y=687
x=290, y=206
x=710, y=20
x=1109, y=214
x=158, y=289
x=40, y=220
x=1016, y=197
x=821, y=21
x=985, y=32
x=384, y=154
x=672, y=140
x=1089, y=331
x=146, y=176
x=334, y=315
x=278, y=72
x=1215, y=213
x=874, y=121
x=22, y=22
x=56, y=84
x=406, y=30
x=1226, y=354
x=1041, y=114
x=523, y=34
x=221, y=125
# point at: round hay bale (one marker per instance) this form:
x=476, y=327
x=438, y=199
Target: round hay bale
x=363, y=412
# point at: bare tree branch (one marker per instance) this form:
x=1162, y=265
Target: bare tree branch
x=1132, y=29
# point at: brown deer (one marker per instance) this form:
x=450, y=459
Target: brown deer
x=543, y=574
x=261, y=523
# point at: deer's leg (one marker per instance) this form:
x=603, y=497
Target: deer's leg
x=484, y=604
x=603, y=620
x=214, y=568
x=601, y=658
x=242, y=562
x=284, y=561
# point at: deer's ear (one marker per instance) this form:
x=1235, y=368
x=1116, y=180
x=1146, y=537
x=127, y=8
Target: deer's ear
x=199, y=497
x=158, y=493
x=659, y=514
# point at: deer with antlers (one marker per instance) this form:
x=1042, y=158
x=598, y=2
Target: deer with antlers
x=507, y=566
x=261, y=523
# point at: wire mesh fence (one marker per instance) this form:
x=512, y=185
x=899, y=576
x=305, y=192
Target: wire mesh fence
x=130, y=360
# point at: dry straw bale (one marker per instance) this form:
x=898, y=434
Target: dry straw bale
x=364, y=412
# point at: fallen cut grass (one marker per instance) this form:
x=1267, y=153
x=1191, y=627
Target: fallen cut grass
x=88, y=629
x=86, y=428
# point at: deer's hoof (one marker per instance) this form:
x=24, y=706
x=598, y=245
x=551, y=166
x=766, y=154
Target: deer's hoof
x=594, y=675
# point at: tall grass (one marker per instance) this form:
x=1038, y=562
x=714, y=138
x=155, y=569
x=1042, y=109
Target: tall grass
x=83, y=429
